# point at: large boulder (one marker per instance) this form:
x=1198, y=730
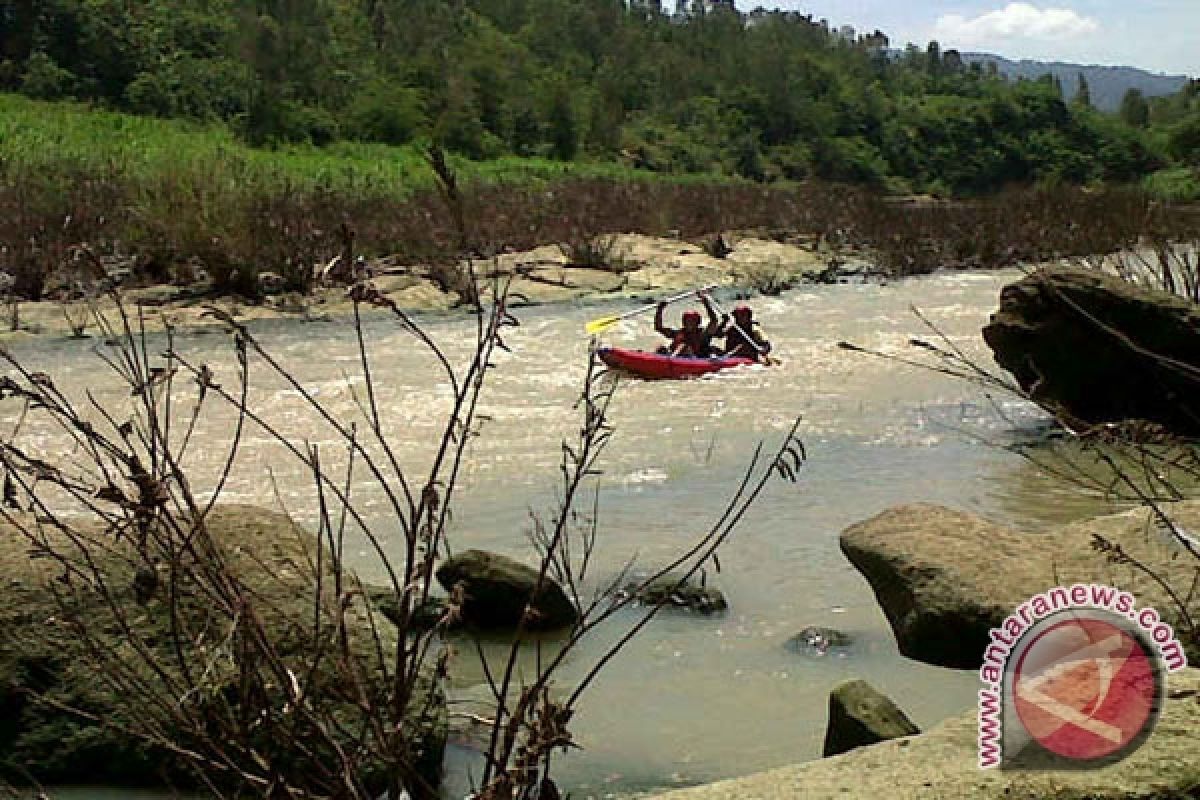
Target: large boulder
x=945, y=578
x=48, y=667
x=497, y=590
x=861, y=715
x=1101, y=349
x=943, y=764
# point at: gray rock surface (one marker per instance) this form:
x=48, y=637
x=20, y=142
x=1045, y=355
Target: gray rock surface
x=1101, y=349
x=945, y=578
x=861, y=715
x=498, y=589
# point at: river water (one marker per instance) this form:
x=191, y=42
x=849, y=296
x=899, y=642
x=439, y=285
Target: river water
x=693, y=699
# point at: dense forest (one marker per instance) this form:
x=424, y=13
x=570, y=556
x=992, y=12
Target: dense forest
x=698, y=87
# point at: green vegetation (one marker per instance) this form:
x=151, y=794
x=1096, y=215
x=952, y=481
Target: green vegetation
x=1178, y=184
x=221, y=139
x=41, y=137
x=764, y=95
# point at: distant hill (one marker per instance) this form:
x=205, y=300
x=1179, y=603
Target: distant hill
x=1107, y=84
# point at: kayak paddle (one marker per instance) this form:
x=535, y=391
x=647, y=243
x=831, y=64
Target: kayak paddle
x=601, y=324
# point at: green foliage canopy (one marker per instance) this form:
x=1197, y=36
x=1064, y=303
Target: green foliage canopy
x=765, y=95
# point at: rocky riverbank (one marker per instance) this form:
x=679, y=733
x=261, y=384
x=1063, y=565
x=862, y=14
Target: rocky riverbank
x=636, y=266
x=944, y=578
x=943, y=764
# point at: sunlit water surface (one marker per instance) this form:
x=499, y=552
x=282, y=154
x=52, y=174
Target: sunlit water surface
x=693, y=699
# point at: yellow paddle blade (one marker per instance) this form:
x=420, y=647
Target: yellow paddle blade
x=601, y=324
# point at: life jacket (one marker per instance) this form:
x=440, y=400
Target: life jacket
x=751, y=343
x=697, y=344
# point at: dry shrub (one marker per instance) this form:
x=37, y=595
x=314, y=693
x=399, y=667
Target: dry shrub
x=166, y=226
x=602, y=251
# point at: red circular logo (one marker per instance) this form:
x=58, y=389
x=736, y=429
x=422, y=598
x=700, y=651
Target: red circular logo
x=1085, y=688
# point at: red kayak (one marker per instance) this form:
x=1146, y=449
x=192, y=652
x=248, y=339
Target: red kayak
x=653, y=365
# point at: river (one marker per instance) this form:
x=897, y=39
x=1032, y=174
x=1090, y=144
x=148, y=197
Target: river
x=694, y=699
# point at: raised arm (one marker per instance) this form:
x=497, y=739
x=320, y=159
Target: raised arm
x=658, y=321
x=714, y=325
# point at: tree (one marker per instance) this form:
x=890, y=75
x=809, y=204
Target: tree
x=1183, y=141
x=1083, y=94
x=548, y=77
x=933, y=59
x=562, y=125
x=46, y=80
x=1135, y=110
x=952, y=62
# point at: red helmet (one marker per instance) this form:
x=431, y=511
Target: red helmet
x=691, y=315
x=742, y=311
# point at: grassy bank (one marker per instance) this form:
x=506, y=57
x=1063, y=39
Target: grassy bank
x=176, y=202
x=62, y=137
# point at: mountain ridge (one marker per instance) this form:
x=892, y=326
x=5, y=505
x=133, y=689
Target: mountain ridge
x=1106, y=83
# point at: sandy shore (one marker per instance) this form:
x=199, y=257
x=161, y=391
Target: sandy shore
x=645, y=265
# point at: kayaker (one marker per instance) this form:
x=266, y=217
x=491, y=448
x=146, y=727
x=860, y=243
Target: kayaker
x=742, y=338
x=690, y=340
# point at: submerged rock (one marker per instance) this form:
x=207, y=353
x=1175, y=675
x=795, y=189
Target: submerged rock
x=669, y=590
x=497, y=590
x=817, y=641
x=943, y=764
x=945, y=578
x=861, y=715
x=424, y=617
x=1101, y=349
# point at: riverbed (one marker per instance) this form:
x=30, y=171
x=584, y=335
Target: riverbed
x=694, y=698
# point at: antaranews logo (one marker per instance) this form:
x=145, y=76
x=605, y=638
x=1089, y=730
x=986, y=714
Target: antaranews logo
x=1074, y=677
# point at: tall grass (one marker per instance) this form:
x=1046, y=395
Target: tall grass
x=38, y=136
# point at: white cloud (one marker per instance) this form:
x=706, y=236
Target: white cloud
x=1014, y=21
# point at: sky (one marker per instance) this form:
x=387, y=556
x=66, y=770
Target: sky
x=1157, y=35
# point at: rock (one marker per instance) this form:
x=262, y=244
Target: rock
x=43, y=658
x=861, y=715
x=497, y=590
x=1099, y=348
x=291, y=303
x=424, y=617
x=717, y=247
x=945, y=578
x=943, y=764
x=688, y=595
x=270, y=283
x=817, y=641
x=389, y=284
x=153, y=295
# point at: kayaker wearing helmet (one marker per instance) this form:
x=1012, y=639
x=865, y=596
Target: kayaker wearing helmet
x=742, y=338
x=691, y=339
